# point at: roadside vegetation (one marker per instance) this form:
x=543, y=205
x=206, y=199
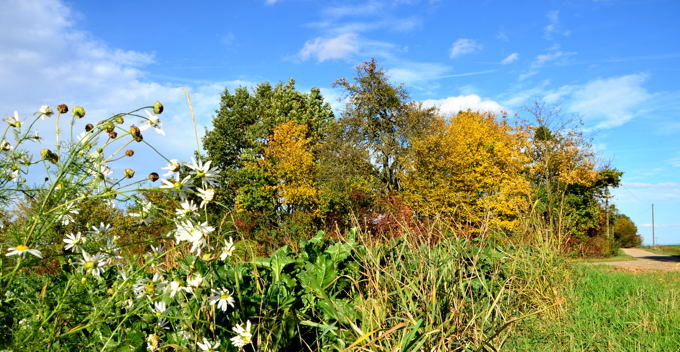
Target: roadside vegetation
x=387, y=227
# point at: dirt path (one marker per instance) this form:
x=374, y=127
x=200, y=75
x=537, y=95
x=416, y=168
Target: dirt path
x=647, y=261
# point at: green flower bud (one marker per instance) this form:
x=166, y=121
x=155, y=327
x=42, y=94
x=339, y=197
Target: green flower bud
x=49, y=155
x=157, y=108
x=119, y=119
x=129, y=173
x=78, y=112
x=108, y=126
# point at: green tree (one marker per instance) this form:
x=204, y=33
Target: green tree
x=242, y=129
x=380, y=122
x=625, y=232
x=572, y=192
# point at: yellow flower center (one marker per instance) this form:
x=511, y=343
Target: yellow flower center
x=89, y=265
x=21, y=247
x=225, y=296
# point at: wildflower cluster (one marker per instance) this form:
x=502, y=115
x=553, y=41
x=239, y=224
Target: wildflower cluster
x=170, y=304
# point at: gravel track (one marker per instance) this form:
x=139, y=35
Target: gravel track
x=647, y=261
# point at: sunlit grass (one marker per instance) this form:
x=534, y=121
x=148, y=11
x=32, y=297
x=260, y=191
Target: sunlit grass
x=610, y=310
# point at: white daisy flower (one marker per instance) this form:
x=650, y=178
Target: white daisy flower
x=101, y=229
x=195, y=281
x=159, y=307
x=181, y=188
x=74, y=242
x=94, y=264
x=146, y=286
x=204, y=172
x=206, y=194
x=13, y=120
x=174, y=287
x=194, y=233
x=5, y=146
x=21, y=250
x=144, y=213
x=172, y=167
x=187, y=208
x=228, y=249
x=243, y=335
x=67, y=217
x=157, y=250
x=208, y=346
x=45, y=111
x=151, y=121
x=223, y=298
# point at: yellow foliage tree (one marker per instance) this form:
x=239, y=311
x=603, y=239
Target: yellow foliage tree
x=289, y=159
x=470, y=169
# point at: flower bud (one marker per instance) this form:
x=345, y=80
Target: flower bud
x=49, y=155
x=108, y=126
x=88, y=127
x=119, y=119
x=129, y=173
x=129, y=152
x=153, y=177
x=157, y=108
x=62, y=108
x=78, y=112
x=113, y=134
x=136, y=133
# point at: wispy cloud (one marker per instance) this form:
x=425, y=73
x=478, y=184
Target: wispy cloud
x=510, y=59
x=464, y=46
x=342, y=46
x=603, y=103
x=554, y=27
x=610, y=101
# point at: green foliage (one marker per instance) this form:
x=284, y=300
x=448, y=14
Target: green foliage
x=380, y=122
x=625, y=232
x=238, y=142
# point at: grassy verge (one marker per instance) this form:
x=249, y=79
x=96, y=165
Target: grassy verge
x=673, y=250
x=620, y=256
x=610, y=311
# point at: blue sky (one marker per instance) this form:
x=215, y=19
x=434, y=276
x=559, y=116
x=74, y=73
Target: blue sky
x=613, y=63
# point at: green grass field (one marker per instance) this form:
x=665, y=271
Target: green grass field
x=609, y=310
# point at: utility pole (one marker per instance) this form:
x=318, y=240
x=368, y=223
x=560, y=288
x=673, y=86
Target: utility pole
x=653, y=239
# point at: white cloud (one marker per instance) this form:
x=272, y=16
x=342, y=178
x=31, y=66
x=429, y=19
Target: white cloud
x=610, y=102
x=464, y=46
x=342, y=46
x=452, y=105
x=510, y=59
x=602, y=103
x=46, y=59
